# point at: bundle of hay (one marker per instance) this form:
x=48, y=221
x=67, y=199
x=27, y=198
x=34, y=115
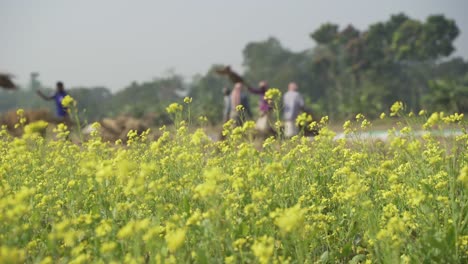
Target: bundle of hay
x=232, y=75
x=6, y=82
x=11, y=118
x=112, y=129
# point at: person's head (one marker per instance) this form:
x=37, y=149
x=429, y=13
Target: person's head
x=60, y=87
x=238, y=86
x=263, y=85
x=292, y=86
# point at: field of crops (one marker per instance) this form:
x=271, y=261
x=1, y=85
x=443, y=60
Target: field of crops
x=187, y=199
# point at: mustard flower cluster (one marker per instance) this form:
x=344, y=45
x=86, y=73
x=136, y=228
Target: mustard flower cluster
x=272, y=94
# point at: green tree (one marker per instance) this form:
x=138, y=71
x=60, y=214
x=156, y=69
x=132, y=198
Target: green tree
x=448, y=94
x=207, y=94
x=91, y=102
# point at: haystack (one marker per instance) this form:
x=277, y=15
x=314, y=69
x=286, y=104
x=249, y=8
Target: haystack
x=6, y=82
x=113, y=129
x=11, y=118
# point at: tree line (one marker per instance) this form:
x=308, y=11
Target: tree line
x=347, y=71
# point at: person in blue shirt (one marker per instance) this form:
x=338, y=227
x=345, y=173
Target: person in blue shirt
x=57, y=97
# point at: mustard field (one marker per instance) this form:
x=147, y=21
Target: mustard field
x=185, y=198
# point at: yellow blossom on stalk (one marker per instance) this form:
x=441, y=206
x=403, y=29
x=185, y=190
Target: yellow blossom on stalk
x=365, y=123
x=22, y=119
x=432, y=120
x=462, y=244
x=108, y=247
x=61, y=131
x=71, y=183
x=174, y=108
x=230, y=260
x=455, y=118
x=103, y=228
x=240, y=108
x=405, y=259
x=259, y=194
x=278, y=124
x=142, y=224
x=36, y=128
x=11, y=255
x=209, y=187
x=269, y=141
x=382, y=115
x=393, y=232
x=187, y=100
x=20, y=112
x=324, y=120
x=127, y=230
x=347, y=127
x=175, y=239
x=303, y=119
x=249, y=125
x=96, y=125
x=199, y=137
x=416, y=197
x=68, y=101
x=272, y=94
x=406, y=130
x=263, y=248
x=313, y=125
x=194, y=219
x=239, y=243
x=396, y=108
x=47, y=260
x=463, y=177
x=422, y=112
x=290, y=219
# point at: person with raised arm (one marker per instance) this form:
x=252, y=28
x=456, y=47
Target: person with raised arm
x=58, y=96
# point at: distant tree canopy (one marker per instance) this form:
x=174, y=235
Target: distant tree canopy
x=348, y=71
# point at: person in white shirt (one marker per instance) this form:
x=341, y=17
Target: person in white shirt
x=293, y=103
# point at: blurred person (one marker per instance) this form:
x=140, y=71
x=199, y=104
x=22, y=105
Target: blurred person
x=227, y=104
x=239, y=98
x=293, y=104
x=264, y=107
x=262, y=124
x=58, y=96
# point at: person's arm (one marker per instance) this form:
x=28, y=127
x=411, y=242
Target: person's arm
x=301, y=102
x=43, y=96
x=303, y=107
x=254, y=90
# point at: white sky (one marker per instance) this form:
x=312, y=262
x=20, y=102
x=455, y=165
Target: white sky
x=113, y=42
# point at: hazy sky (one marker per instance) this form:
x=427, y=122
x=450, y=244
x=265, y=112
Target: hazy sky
x=113, y=42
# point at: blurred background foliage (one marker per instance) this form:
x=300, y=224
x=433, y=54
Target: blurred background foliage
x=348, y=71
